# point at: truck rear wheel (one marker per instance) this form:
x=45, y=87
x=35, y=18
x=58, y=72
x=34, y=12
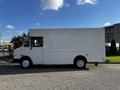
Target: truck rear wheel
x=80, y=63
x=25, y=63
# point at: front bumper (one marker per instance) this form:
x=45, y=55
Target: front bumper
x=16, y=61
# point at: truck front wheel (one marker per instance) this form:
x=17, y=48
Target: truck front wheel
x=25, y=63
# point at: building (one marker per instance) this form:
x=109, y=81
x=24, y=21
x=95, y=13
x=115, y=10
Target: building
x=5, y=44
x=112, y=33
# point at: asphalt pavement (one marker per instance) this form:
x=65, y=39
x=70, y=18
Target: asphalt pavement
x=64, y=77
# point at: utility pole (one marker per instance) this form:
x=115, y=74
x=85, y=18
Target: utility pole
x=0, y=37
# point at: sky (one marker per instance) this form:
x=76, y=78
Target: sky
x=18, y=16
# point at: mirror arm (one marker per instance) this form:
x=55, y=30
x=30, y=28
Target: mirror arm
x=30, y=47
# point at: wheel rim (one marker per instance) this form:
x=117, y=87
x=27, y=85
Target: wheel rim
x=80, y=63
x=25, y=63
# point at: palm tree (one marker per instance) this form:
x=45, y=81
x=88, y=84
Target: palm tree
x=113, y=48
x=18, y=40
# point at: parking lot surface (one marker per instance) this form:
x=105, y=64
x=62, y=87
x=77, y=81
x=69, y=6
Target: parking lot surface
x=103, y=77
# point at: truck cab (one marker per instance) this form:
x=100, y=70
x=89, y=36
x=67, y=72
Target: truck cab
x=32, y=50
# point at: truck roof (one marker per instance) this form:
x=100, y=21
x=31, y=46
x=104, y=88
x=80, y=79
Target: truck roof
x=63, y=28
x=34, y=30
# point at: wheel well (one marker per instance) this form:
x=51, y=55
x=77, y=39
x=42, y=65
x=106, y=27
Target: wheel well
x=79, y=57
x=26, y=57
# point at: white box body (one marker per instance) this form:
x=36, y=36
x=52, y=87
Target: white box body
x=61, y=46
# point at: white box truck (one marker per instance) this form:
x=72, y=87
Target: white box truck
x=62, y=46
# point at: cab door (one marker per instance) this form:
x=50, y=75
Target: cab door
x=36, y=50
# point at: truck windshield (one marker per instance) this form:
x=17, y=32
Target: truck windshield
x=26, y=43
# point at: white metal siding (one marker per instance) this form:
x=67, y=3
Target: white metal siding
x=61, y=46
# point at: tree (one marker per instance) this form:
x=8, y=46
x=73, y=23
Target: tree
x=18, y=40
x=113, y=48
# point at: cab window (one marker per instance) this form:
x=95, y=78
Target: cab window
x=26, y=43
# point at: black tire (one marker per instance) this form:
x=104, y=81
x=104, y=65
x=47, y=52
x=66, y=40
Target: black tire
x=25, y=63
x=80, y=63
